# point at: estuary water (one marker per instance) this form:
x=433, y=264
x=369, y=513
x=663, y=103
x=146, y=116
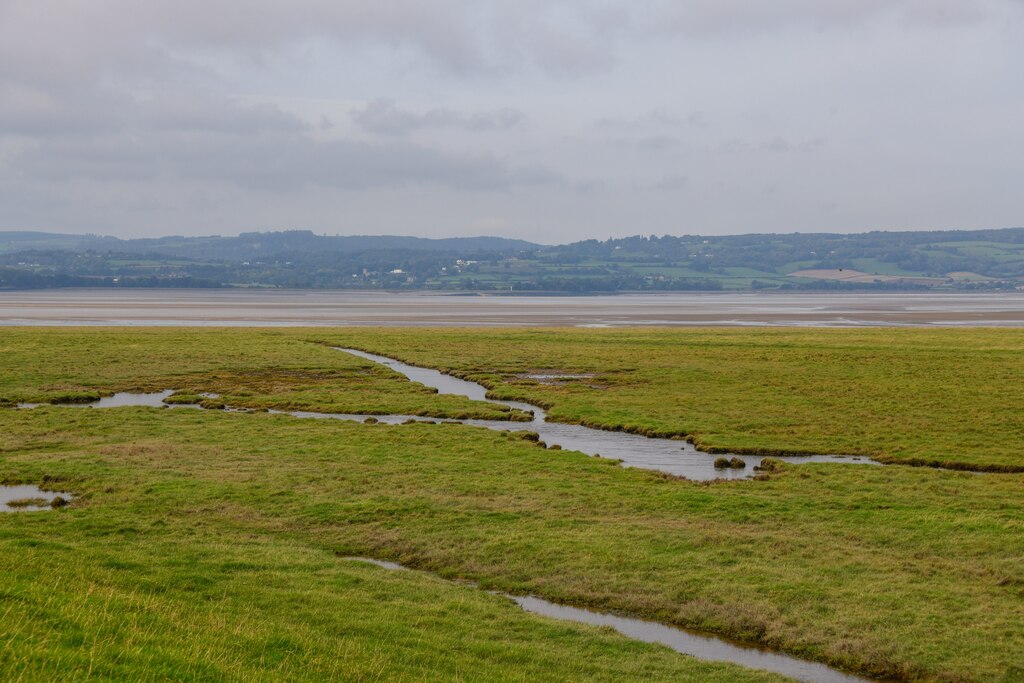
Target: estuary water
x=258, y=307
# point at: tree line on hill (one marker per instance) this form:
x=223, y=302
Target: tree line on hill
x=992, y=259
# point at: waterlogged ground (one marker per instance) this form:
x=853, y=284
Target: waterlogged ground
x=226, y=530
x=28, y=498
x=941, y=396
x=926, y=397
x=249, y=369
x=671, y=456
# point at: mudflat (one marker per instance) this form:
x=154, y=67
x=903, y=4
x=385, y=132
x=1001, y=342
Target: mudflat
x=304, y=307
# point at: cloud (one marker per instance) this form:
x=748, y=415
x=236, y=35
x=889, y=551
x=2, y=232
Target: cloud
x=715, y=17
x=654, y=118
x=67, y=40
x=384, y=117
x=781, y=145
x=461, y=36
x=26, y=110
x=775, y=145
x=60, y=124
x=658, y=142
x=108, y=107
x=670, y=183
x=272, y=162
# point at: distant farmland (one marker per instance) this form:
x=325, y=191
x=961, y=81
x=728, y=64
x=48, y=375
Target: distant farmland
x=947, y=260
x=849, y=275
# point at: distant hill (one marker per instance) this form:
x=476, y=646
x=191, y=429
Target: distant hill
x=938, y=260
x=254, y=244
x=21, y=241
x=954, y=258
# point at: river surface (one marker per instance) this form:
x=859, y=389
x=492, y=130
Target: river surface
x=685, y=641
x=322, y=307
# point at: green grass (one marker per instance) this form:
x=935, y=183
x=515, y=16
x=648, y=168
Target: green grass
x=874, y=266
x=941, y=397
x=998, y=250
x=753, y=273
x=798, y=265
x=139, y=597
x=205, y=545
x=900, y=571
x=670, y=271
x=256, y=369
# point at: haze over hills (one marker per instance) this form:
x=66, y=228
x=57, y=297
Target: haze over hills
x=977, y=259
x=251, y=244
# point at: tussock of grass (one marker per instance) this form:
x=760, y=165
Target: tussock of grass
x=74, y=397
x=183, y=398
x=212, y=404
x=26, y=502
x=771, y=465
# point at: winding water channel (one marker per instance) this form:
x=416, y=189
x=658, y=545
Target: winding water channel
x=693, y=643
x=664, y=455
x=673, y=456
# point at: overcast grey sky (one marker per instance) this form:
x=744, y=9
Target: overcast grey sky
x=550, y=120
